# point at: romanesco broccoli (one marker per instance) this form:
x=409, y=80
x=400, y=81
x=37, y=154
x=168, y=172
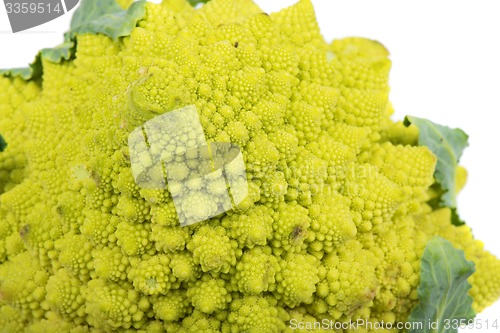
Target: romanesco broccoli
x=341, y=202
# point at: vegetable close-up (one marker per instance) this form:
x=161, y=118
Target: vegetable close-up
x=188, y=167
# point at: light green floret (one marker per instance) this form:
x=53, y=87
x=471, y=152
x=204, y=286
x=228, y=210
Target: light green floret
x=99, y=227
x=69, y=210
x=350, y=283
x=306, y=177
x=213, y=249
x=290, y=228
x=23, y=284
x=11, y=320
x=54, y=324
x=183, y=267
x=169, y=239
x=297, y=279
x=252, y=227
x=255, y=272
x=199, y=206
x=65, y=295
x=309, y=324
x=126, y=183
x=286, y=141
x=134, y=239
x=198, y=322
x=111, y=306
x=75, y=255
x=5, y=231
x=110, y=263
x=273, y=188
x=164, y=214
x=172, y=307
x=237, y=132
x=331, y=223
x=209, y=294
x=152, y=276
x=155, y=197
x=133, y=209
x=39, y=236
x=253, y=314
x=264, y=157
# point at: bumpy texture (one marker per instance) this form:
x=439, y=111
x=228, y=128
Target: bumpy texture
x=338, y=211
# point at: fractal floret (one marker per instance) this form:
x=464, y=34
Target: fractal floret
x=346, y=214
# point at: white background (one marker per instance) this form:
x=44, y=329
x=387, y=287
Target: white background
x=446, y=67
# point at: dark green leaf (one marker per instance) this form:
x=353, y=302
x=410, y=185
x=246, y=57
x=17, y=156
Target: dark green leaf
x=3, y=144
x=443, y=296
x=196, y=2
x=455, y=219
x=447, y=144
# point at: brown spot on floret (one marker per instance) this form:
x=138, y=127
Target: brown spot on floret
x=297, y=232
x=23, y=232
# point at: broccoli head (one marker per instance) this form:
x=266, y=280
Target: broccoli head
x=339, y=204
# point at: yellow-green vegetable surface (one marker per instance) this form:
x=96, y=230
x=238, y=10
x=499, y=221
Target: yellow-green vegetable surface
x=342, y=200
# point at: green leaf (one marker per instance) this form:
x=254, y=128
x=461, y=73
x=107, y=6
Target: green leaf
x=3, y=144
x=63, y=51
x=25, y=73
x=443, y=290
x=92, y=16
x=455, y=218
x=106, y=17
x=447, y=144
x=194, y=3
